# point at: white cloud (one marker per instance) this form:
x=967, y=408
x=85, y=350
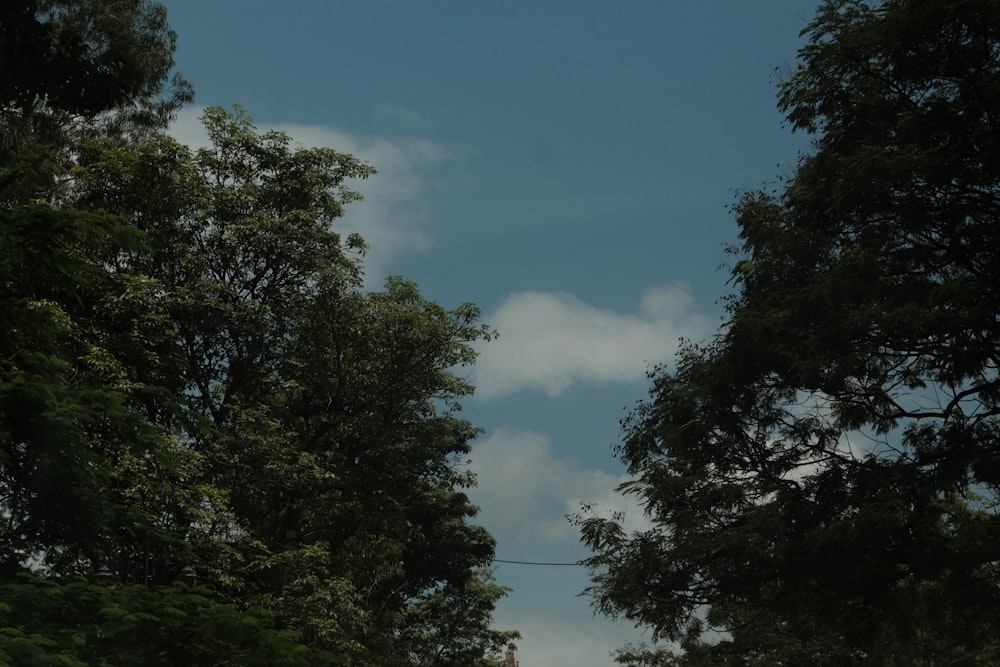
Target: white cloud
x=549, y=340
x=392, y=215
x=578, y=639
x=525, y=491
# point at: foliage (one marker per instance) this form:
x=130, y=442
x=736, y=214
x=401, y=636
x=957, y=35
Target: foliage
x=192, y=375
x=65, y=413
x=822, y=476
x=77, y=68
x=450, y=626
x=84, y=57
x=75, y=623
x=322, y=417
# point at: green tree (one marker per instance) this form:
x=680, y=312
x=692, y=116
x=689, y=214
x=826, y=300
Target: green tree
x=71, y=67
x=66, y=417
x=64, y=414
x=322, y=418
x=75, y=623
x=192, y=375
x=78, y=449
x=451, y=626
x=822, y=476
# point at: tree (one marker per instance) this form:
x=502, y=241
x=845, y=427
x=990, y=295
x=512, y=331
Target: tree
x=77, y=623
x=822, y=477
x=322, y=417
x=82, y=467
x=90, y=65
x=451, y=626
x=65, y=414
x=191, y=375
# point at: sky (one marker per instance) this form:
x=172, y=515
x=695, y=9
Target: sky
x=566, y=165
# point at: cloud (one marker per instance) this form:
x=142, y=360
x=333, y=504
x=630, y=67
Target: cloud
x=393, y=214
x=551, y=638
x=187, y=128
x=525, y=491
x=550, y=340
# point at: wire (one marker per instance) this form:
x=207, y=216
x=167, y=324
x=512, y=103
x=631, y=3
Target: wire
x=528, y=562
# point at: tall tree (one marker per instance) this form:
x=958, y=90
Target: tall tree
x=324, y=418
x=822, y=476
x=65, y=413
x=192, y=375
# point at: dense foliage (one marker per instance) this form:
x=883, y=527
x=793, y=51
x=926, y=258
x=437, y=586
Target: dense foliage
x=822, y=476
x=192, y=376
x=85, y=67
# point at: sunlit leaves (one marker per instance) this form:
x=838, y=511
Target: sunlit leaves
x=318, y=420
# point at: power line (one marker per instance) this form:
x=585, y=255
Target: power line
x=529, y=562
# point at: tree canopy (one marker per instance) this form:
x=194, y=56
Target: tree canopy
x=194, y=380
x=107, y=63
x=822, y=476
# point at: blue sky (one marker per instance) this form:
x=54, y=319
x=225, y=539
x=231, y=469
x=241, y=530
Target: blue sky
x=567, y=166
